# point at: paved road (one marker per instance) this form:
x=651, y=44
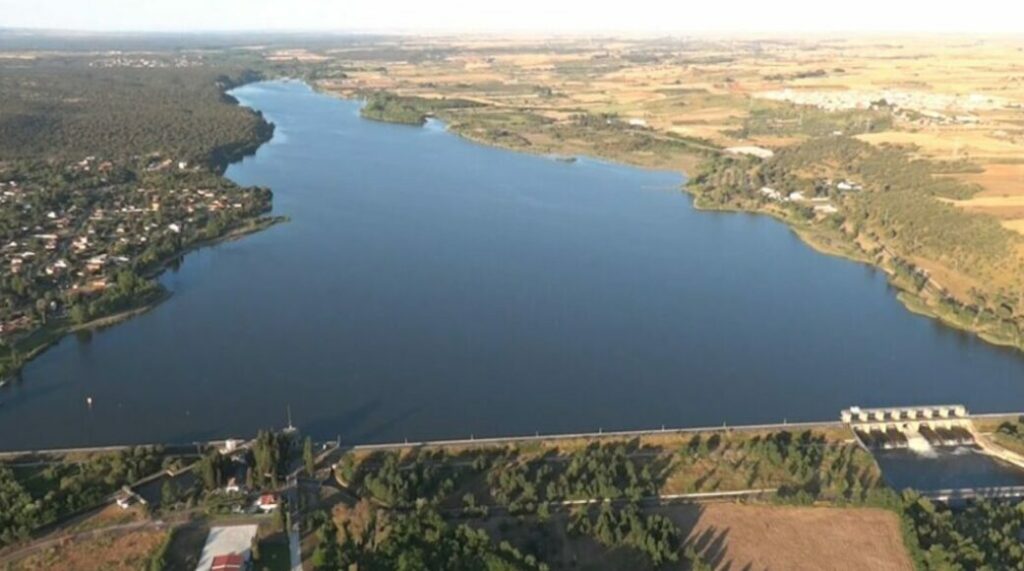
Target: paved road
x=601, y=434
x=295, y=548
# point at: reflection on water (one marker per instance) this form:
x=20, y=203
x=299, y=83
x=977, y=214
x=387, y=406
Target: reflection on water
x=427, y=287
x=946, y=468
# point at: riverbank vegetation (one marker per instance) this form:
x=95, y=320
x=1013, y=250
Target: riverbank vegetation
x=390, y=108
x=109, y=170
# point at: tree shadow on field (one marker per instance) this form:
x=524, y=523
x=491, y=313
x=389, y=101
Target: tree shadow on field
x=712, y=546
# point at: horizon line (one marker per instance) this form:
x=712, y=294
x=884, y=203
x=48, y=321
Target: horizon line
x=753, y=34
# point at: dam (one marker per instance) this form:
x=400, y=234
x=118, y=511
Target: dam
x=938, y=451
x=919, y=428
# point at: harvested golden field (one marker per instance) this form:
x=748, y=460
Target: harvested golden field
x=951, y=143
x=732, y=537
x=1015, y=225
x=999, y=180
x=738, y=536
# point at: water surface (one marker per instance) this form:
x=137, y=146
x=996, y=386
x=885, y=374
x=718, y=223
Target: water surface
x=946, y=469
x=430, y=287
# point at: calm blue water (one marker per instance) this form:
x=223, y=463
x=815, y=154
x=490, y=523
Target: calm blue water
x=946, y=469
x=430, y=287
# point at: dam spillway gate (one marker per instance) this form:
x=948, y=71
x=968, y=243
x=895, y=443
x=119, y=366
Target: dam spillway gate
x=919, y=427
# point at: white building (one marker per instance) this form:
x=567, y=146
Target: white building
x=759, y=152
x=771, y=193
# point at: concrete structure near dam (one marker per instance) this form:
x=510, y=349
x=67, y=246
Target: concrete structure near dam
x=916, y=427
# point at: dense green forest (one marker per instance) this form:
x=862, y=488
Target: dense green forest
x=65, y=109
x=417, y=540
x=983, y=536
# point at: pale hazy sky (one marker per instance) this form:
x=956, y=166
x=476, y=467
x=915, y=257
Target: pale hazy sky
x=581, y=16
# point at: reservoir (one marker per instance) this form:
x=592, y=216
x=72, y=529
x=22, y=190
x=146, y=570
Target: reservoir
x=429, y=287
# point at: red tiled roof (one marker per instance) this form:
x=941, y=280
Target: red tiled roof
x=229, y=562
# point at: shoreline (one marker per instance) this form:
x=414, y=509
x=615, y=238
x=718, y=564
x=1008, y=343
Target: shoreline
x=219, y=160
x=55, y=331
x=912, y=301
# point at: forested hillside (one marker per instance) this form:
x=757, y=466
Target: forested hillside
x=68, y=109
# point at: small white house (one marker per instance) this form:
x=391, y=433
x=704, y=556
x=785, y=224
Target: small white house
x=771, y=193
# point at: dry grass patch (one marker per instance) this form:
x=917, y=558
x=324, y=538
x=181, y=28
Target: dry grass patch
x=999, y=180
x=736, y=536
x=129, y=551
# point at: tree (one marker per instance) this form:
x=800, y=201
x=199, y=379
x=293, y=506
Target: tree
x=268, y=454
x=210, y=470
x=79, y=313
x=281, y=515
x=327, y=555
x=41, y=308
x=168, y=494
x=307, y=455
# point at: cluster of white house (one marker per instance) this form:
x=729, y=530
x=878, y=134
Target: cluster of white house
x=921, y=101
